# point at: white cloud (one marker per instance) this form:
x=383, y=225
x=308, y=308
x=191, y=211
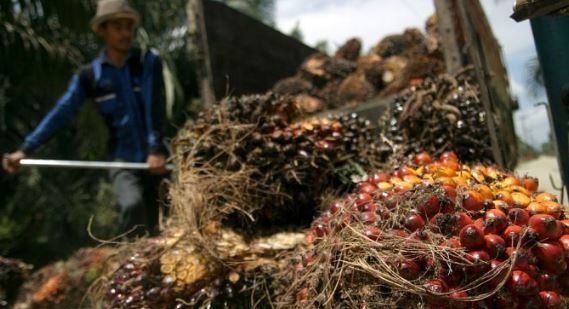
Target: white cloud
x=517, y=89
x=337, y=21
x=513, y=36
x=532, y=125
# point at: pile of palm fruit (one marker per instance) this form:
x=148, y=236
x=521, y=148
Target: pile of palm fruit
x=347, y=77
x=64, y=284
x=287, y=162
x=13, y=274
x=251, y=224
x=435, y=234
x=442, y=113
x=219, y=269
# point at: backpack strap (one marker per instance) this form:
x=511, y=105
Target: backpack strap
x=87, y=79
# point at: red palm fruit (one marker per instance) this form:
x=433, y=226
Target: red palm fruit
x=366, y=187
x=510, y=181
x=551, y=257
x=462, y=219
x=504, y=196
x=450, y=193
x=521, y=257
x=545, y=196
x=512, y=235
x=408, y=269
x=362, y=199
x=553, y=209
x=500, y=273
x=448, y=156
x=473, y=201
x=336, y=207
x=383, y=212
x=309, y=258
x=497, y=219
x=403, y=187
x=546, y=226
x=406, y=170
x=471, y=237
x=519, y=189
x=480, y=263
x=384, y=187
x=522, y=284
x=302, y=295
x=564, y=242
x=485, y=228
x=451, y=243
x=321, y=230
x=518, y=216
x=422, y=158
x=530, y=183
x=373, y=232
x=535, y=208
x=443, y=224
x=453, y=276
x=565, y=226
x=371, y=207
x=550, y=300
x=547, y=282
x=501, y=205
x=532, y=270
x=520, y=200
x=399, y=233
x=368, y=217
x=429, y=208
x=325, y=217
x=412, y=179
x=379, y=177
x=420, y=234
x=494, y=245
x=413, y=222
x=486, y=192
x=436, y=286
x=309, y=237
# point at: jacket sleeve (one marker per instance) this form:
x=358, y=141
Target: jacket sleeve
x=155, y=114
x=60, y=115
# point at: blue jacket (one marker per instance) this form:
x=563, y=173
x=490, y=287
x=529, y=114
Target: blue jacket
x=130, y=98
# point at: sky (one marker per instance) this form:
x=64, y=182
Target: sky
x=338, y=20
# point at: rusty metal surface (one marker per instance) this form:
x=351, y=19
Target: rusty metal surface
x=238, y=54
x=526, y=9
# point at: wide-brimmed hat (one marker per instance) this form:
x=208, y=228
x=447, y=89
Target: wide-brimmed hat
x=112, y=9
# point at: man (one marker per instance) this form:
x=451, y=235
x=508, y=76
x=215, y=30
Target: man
x=126, y=85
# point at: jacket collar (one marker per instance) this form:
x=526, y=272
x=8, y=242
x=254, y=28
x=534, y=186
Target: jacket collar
x=104, y=59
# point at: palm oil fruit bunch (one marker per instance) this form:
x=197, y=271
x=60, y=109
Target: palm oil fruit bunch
x=157, y=274
x=438, y=234
x=230, y=131
x=135, y=285
x=239, y=289
x=13, y=273
x=306, y=158
x=441, y=114
x=295, y=160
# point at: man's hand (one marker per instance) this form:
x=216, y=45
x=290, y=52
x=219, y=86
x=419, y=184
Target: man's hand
x=156, y=164
x=11, y=162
